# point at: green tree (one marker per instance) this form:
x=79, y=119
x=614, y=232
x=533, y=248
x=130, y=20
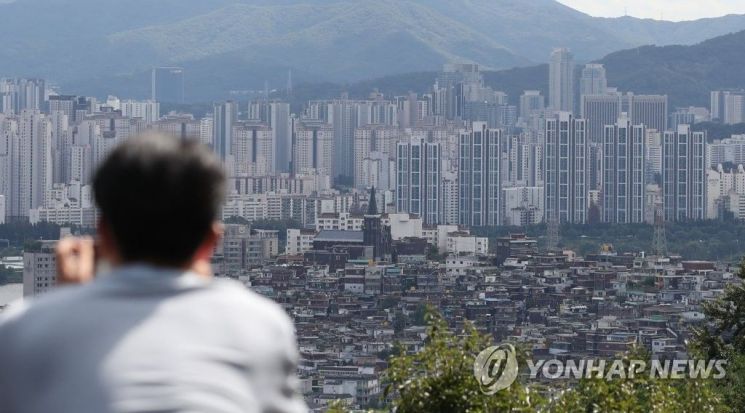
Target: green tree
x=433, y=254
x=725, y=330
x=419, y=318
x=640, y=393
x=723, y=337
x=336, y=407
x=399, y=322
x=396, y=350
x=440, y=377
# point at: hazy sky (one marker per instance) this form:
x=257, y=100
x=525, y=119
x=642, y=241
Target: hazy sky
x=671, y=9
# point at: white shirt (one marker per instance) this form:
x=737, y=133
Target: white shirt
x=149, y=340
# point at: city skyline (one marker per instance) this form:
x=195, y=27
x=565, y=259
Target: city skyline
x=410, y=186
x=462, y=139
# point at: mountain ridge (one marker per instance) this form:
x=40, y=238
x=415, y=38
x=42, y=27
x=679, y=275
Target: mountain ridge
x=224, y=45
x=685, y=73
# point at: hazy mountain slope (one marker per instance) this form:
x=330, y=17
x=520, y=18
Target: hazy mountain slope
x=65, y=39
x=341, y=40
x=686, y=73
x=85, y=45
x=663, y=33
x=533, y=28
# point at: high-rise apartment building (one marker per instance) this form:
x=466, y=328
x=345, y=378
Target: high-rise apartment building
x=734, y=109
x=593, y=80
x=29, y=172
x=206, y=131
x=253, y=149
x=343, y=116
x=598, y=111
x=653, y=156
x=180, y=126
x=480, y=176
x=648, y=110
x=147, y=110
x=450, y=198
x=684, y=174
x=418, y=179
x=681, y=116
x=8, y=132
x=561, y=80
x=601, y=110
x=280, y=121
x=623, y=186
x=523, y=205
x=566, y=168
x=20, y=94
x=594, y=165
x=60, y=139
x=277, y=115
x=524, y=163
x=346, y=115
x=314, y=147
x=728, y=106
x=79, y=155
x=727, y=150
x=453, y=86
x=378, y=169
x=725, y=191
x=372, y=139
x=531, y=102
x=408, y=111
x=224, y=115
x=65, y=104
x=382, y=112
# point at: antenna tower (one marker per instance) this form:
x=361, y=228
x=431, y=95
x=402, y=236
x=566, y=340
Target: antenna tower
x=660, y=236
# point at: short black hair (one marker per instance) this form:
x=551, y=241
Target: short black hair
x=159, y=195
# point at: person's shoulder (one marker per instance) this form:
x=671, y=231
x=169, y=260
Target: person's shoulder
x=243, y=310
x=47, y=304
x=236, y=295
x=13, y=311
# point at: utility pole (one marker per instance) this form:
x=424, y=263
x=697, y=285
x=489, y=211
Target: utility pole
x=660, y=236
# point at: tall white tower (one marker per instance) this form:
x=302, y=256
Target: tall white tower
x=561, y=81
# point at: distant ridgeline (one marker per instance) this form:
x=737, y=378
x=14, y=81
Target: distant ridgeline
x=687, y=74
x=234, y=46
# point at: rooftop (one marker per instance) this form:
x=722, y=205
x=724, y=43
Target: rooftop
x=335, y=235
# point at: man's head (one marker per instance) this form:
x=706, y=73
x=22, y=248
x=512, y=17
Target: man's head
x=159, y=198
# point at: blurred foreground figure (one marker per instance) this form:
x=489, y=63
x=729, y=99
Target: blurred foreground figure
x=155, y=333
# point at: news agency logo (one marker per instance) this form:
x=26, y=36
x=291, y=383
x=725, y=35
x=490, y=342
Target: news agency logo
x=495, y=368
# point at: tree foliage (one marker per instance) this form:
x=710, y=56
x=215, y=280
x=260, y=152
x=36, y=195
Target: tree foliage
x=640, y=393
x=696, y=240
x=19, y=232
x=440, y=377
x=723, y=337
x=715, y=130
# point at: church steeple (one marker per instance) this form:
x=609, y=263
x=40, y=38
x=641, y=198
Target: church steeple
x=372, y=205
x=373, y=233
